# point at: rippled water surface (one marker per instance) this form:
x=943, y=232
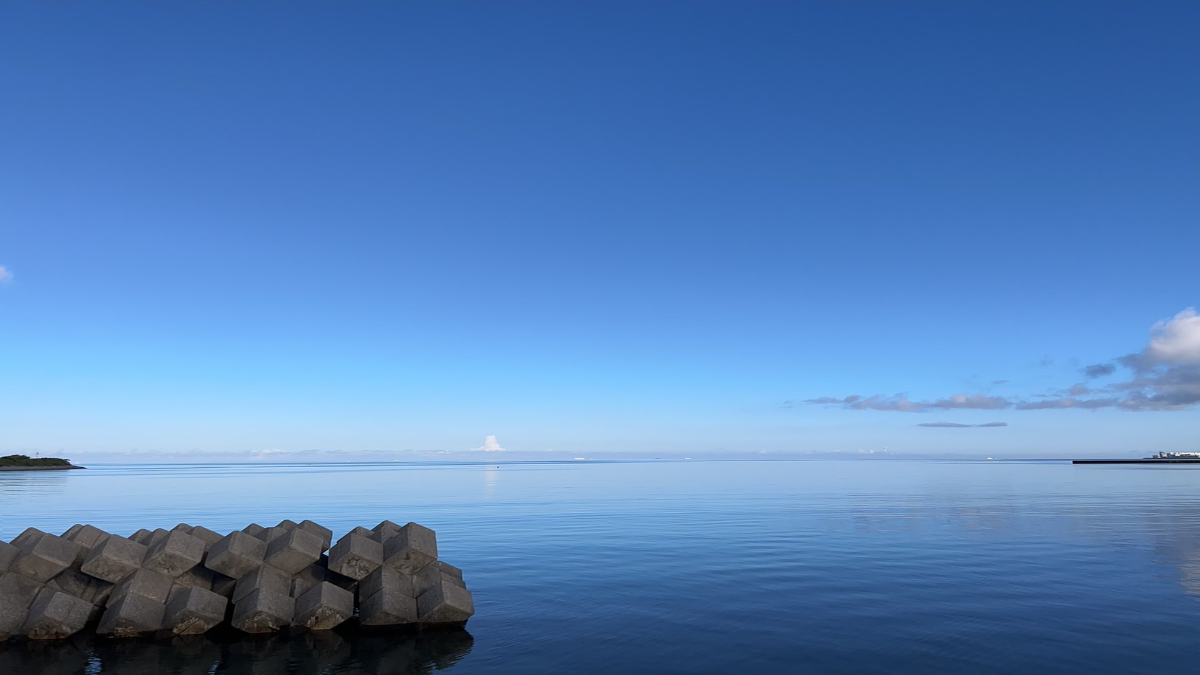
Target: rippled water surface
x=701, y=567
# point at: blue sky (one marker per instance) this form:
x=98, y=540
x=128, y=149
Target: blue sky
x=655, y=227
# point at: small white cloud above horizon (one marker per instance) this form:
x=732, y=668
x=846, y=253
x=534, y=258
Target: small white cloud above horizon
x=6, y=274
x=490, y=444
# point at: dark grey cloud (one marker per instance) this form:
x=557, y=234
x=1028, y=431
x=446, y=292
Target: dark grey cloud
x=901, y=403
x=1099, y=370
x=956, y=425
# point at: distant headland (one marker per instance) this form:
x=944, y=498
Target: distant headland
x=26, y=463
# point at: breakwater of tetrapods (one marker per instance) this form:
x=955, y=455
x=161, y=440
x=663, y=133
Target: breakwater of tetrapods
x=189, y=580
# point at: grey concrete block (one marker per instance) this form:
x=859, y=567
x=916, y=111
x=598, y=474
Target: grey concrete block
x=182, y=527
x=384, y=531
x=269, y=534
x=142, y=537
x=355, y=556
x=79, y=585
x=54, y=615
x=451, y=570
x=264, y=577
x=236, y=555
x=193, y=611
x=88, y=538
x=197, y=577
x=263, y=611
x=308, y=577
x=410, y=548
x=16, y=595
x=207, y=536
x=71, y=530
x=29, y=536
x=387, y=608
x=385, y=577
x=174, y=553
x=132, y=615
x=143, y=582
x=44, y=558
x=323, y=607
x=288, y=524
x=223, y=585
x=431, y=575
x=324, y=533
x=157, y=536
x=252, y=529
x=8, y=553
x=362, y=532
x=445, y=603
x=114, y=559
x=293, y=551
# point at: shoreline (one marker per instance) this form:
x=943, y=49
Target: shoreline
x=40, y=468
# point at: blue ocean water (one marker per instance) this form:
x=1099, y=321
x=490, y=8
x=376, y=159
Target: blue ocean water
x=888, y=566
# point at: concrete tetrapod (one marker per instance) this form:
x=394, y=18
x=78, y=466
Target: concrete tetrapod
x=189, y=579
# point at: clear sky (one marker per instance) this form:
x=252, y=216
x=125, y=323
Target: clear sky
x=658, y=227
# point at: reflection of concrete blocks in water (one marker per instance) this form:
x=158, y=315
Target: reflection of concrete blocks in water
x=43, y=557
x=132, y=615
x=355, y=556
x=410, y=548
x=324, y=606
x=17, y=593
x=174, y=553
x=144, y=583
x=193, y=611
x=323, y=533
x=293, y=551
x=264, y=610
x=445, y=603
x=55, y=615
x=114, y=559
x=264, y=577
x=236, y=555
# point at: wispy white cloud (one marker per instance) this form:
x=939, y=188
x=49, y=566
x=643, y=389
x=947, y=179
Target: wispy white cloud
x=6, y=274
x=490, y=444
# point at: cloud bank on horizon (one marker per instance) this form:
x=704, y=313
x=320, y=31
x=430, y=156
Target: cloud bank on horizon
x=1164, y=375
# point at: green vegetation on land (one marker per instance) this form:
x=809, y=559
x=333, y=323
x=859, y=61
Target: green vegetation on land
x=23, y=460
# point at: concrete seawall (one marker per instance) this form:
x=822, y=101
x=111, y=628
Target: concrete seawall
x=189, y=580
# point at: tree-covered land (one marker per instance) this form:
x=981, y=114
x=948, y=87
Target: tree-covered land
x=23, y=460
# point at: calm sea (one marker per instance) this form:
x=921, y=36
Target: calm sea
x=884, y=566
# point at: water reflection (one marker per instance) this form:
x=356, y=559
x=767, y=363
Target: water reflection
x=32, y=483
x=306, y=653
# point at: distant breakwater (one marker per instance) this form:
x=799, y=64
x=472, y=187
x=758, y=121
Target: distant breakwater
x=190, y=580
